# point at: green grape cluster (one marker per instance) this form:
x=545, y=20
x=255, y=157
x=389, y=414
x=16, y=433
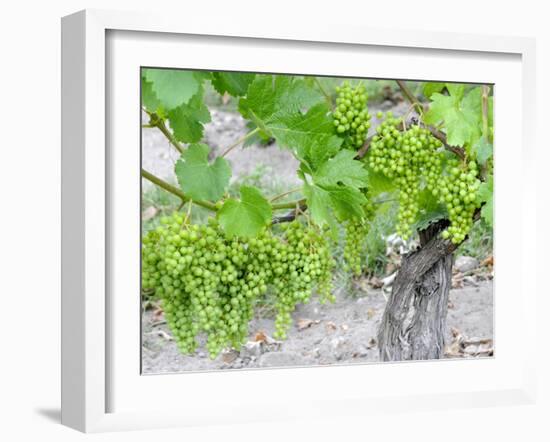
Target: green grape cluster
x=457, y=190
x=209, y=283
x=411, y=158
x=356, y=231
x=414, y=159
x=351, y=116
x=303, y=261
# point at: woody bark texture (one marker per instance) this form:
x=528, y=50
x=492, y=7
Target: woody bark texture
x=413, y=324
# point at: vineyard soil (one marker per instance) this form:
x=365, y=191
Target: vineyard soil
x=339, y=333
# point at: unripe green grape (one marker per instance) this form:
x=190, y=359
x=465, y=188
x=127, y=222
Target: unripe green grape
x=351, y=118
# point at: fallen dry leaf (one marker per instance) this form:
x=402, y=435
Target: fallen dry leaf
x=260, y=337
x=371, y=343
x=158, y=314
x=370, y=313
x=488, y=262
x=303, y=323
x=330, y=326
x=462, y=346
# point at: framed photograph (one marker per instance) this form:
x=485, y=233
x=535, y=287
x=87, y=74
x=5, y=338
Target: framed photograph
x=249, y=214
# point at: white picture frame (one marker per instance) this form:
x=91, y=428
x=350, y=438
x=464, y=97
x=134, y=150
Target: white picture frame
x=89, y=175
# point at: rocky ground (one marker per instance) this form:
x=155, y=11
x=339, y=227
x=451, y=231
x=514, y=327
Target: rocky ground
x=339, y=333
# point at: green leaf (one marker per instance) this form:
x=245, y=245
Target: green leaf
x=483, y=150
x=187, y=120
x=343, y=168
x=276, y=105
x=431, y=88
x=431, y=210
x=487, y=212
x=318, y=204
x=347, y=202
x=148, y=97
x=310, y=135
x=199, y=179
x=330, y=202
x=379, y=183
x=485, y=197
x=173, y=87
x=247, y=217
x=461, y=114
x=456, y=90
x=234, y=83
x=269, y=96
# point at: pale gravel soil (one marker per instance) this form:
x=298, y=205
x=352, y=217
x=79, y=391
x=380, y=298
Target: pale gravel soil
x=341, y=333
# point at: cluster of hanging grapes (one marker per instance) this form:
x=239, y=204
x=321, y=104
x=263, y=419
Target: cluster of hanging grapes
x=356, y=231
x=209, y=283
x=351, y=116
x=414, y=159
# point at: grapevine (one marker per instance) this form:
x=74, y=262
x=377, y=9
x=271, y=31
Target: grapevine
x=210, y=275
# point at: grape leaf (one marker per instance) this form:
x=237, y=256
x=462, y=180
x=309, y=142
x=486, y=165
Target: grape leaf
x=148, y=97
x=455, y=90
x=487, y=211
x=259, y=137
x=460, y=113
x=199, y=179
x=276, y=105
x=310, y=135
x=318, y=204
x=483, y=150
x=269, y=96
x=347, y=202
x=187, y=120
x=431, y=210
x=342, y=168
x=246, y=217
x=432, y=87
x=379, y=183
x=234, y=83
x=327, y=202
x=173, y=87
x=485, y=197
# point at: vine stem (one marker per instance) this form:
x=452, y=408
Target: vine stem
x=240, y=141
x=175, y=191
x=289, y=205
x=156, y=121
x=162, y=127
x=459, y=151
x=207, y=204
x=282, y=195
x=410, y=96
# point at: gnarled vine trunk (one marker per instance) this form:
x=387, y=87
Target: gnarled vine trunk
x=413, y=324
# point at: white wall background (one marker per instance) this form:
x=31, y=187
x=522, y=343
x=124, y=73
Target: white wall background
x=30, y=214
